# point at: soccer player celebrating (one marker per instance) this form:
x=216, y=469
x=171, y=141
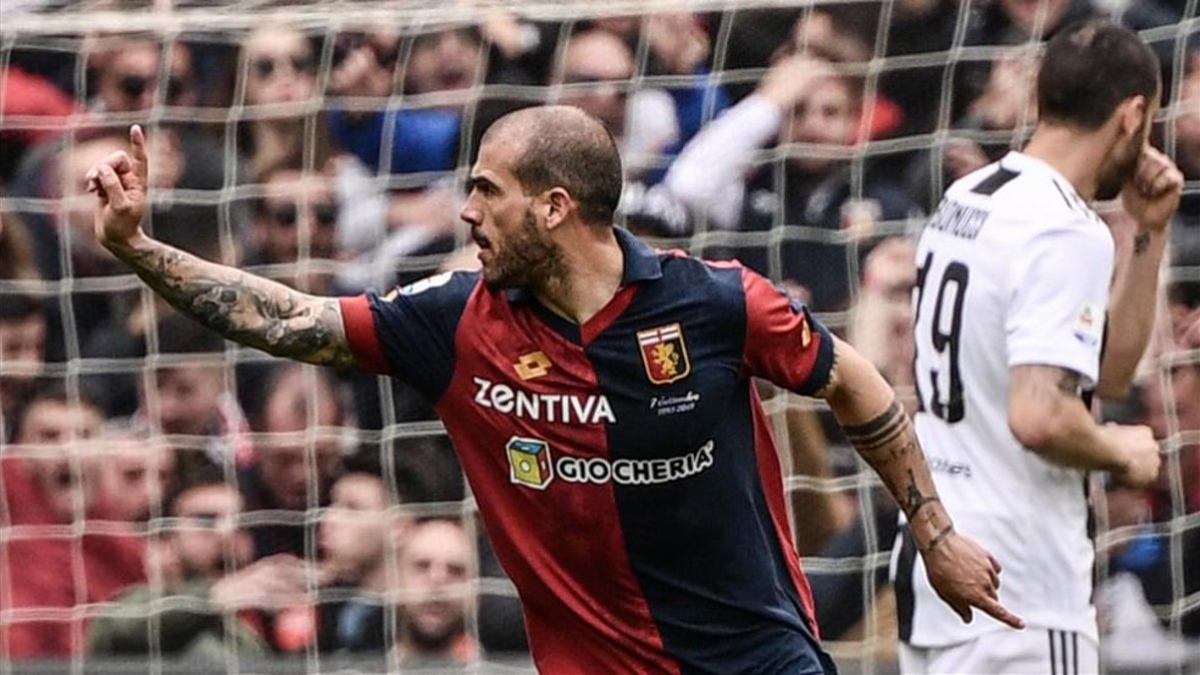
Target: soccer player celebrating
x=599, y=395
x=1011, y=305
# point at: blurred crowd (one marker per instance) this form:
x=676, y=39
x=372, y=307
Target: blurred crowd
x=164, y=492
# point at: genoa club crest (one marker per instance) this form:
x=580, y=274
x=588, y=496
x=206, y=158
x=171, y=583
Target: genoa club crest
x=664, y=354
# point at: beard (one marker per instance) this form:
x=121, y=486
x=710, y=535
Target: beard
x=525, y=257
x=1121, y=166
x=433, y=638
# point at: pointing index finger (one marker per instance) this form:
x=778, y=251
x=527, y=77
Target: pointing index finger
x=998, y=612
x=137, y=143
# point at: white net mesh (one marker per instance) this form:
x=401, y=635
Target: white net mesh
x=325, y=144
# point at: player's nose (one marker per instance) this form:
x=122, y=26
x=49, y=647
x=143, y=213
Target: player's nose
x=471, y=214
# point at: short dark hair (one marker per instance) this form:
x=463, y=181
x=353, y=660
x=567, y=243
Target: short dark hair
x=200, y=474
x=272, y=374
x=54, y=390
x=568, y=148
x=1089, y=68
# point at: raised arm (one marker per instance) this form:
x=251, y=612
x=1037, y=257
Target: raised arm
x=240, y=306
x=709, y=174
x=1151, y=198
x=960, y=570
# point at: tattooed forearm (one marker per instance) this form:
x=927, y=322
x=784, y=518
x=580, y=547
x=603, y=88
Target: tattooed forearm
x=1140, y=243
x=881, y=433
x=889, y=444
x=245, y=308
x=914, y=499
x=938, y=538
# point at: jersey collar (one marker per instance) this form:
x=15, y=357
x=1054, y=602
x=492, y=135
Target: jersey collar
x=641, y=264
x=641, y=261
x=1019, y=161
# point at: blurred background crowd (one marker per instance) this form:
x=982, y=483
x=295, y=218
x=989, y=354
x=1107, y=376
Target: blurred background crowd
x=166, y=494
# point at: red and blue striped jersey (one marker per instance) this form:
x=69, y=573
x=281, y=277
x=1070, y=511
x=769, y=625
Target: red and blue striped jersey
x=624, y=468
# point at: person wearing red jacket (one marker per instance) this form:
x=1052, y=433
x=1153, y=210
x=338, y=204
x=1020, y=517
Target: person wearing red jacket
x=51, y=484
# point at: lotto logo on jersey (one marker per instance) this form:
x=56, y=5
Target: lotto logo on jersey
x=529, y=462
x=532, y=365
x=664, y=353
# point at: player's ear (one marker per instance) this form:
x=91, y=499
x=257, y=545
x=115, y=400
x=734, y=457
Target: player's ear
x=558, y=206
x=1131, y=113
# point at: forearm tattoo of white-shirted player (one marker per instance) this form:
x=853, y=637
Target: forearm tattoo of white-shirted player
x=1140, y=243
x=242, y=307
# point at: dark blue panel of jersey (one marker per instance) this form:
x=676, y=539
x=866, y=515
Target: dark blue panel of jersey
x=416, y=324
x=701, y=540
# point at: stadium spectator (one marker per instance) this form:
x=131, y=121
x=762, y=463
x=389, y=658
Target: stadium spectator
x=522, y=52
x=1007, y=104
x=23, y=94
x=1186, y=234
x=18, y=259
x=205, y=556
x=800, y=101
x=291, y=451
x=23, y=325
x=1170, y=405
x=660, y=118
x=1012, y=22
x=136, y=475
x=917, y=27
x=881, y=328
x=445, y=62
x=125, y=73
x=360, y=540
x=435, y=570
x=280, y=80
x=295, y=222
x=597, y=71
x=419, y=216
x=51, y=477
x=187, y=398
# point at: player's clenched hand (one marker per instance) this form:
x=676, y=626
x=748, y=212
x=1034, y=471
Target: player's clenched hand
x=964, y=575
x=120, y=183
x=1152, y=196
x=1140, y=452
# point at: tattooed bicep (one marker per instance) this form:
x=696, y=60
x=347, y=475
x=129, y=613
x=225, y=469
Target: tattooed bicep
x=1040, y=380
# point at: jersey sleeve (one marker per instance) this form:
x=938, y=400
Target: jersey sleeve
x=1058, y=295
x=784, y=343
x=409, y=332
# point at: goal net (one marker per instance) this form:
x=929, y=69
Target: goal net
x=173, y=502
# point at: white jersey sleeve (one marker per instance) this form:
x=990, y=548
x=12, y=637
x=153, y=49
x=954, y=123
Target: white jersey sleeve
x=1057, y=294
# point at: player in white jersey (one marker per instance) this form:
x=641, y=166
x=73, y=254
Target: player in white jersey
x=1015, y=324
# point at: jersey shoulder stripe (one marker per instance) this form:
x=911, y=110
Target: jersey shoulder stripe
x=998, y=179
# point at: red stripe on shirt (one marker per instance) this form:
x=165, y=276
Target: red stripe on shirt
x=584, y=608
x=771, y=476
x=359, y=323
x=780, y=345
